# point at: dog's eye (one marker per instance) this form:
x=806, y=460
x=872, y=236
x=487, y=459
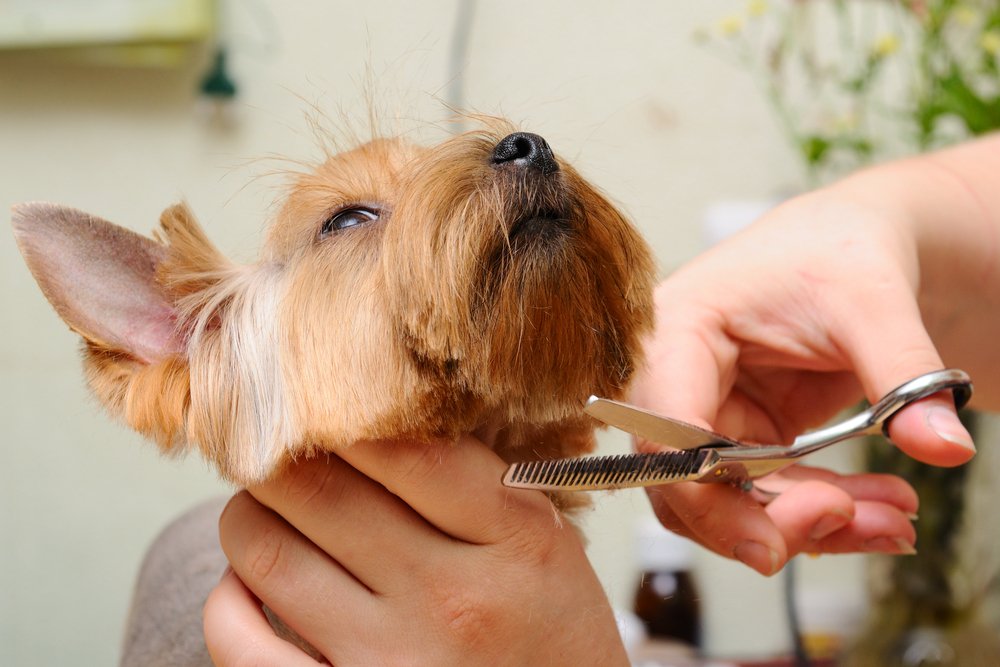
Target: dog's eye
x=349, y=217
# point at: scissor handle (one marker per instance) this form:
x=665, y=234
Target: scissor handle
x=877, y=417
x=921, y=387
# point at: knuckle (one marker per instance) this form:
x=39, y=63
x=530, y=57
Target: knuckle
x=539, y=541
x=915, y=357
x=422, y=461
x=465, y=616
x=264, y=557
x=234, y=514
x=695, y=514
x=312, y=481
x=532, y=541
x=254, y=541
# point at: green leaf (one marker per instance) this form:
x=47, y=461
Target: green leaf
x=815, y=148
x=927, y=114
x=957, y=97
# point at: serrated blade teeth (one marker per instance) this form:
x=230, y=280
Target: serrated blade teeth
x=594, y=473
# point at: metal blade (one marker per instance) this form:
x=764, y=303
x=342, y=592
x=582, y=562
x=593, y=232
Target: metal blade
x=598, y=473
x=653, y=427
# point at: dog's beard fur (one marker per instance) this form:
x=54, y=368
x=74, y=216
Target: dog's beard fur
x=486, y=298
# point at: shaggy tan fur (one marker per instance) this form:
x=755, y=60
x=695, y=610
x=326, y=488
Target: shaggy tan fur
x=486, y=298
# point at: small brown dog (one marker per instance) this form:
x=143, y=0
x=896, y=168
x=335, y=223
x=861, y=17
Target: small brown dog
x=478, y=286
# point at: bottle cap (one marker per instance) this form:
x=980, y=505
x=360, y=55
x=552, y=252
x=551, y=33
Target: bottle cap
x=659, y=550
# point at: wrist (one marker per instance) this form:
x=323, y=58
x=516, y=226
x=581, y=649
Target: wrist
x=942, y=211
x=933, y=221
x=939, y=204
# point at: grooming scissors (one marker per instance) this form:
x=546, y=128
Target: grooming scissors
x=699, y=455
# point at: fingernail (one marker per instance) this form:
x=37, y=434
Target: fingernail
x=759, y=557
x=946, y=425
x=913, y=516
x=833, y=521
x=229, y=568
x=890, y=545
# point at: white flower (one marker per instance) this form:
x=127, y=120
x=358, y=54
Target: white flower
x=990, y=41
x=965, y=15
x=757, y=8
x=731, y=25
x=885, y=46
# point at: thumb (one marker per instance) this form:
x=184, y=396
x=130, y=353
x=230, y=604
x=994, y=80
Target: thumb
x=930, y=431
x=889, y=347
x=686, y=373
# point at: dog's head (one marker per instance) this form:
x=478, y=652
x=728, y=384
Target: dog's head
x=480, y=284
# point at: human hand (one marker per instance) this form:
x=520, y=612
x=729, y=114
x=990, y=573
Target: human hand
x=775, y=331
x=406, y=553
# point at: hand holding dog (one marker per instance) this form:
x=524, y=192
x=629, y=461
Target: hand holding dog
x=837, y=295
x=406, y=551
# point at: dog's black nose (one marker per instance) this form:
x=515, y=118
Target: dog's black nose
x=526, y=150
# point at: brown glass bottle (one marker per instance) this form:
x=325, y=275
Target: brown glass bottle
x=666, y=599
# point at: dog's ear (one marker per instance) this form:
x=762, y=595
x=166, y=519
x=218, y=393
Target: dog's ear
x=105, y=282
x=156, y=313
x=100, y=278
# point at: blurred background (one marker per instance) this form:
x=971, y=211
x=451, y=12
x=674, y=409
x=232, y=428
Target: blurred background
x=694, y=117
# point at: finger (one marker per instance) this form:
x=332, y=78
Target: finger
x=436, y=478
x=810, y=511
x=724, y=519
x=308, y=591
x=876, y=528
x=882, y=488
x=326, y=500
x=889, y=346
x=236, y=629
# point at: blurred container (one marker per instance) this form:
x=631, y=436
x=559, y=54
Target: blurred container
x=666, y=599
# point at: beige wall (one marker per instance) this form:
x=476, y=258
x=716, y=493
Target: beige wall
x=660, y=124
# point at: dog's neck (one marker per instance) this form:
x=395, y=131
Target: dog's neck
x=488, y=431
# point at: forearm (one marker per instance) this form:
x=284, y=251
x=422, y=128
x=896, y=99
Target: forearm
x=944, y=209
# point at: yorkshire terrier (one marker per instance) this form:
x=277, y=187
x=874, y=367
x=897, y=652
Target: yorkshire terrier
x=477, y=286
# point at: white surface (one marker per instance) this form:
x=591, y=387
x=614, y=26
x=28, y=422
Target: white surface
x=725, y=218
x=658, y=550
x=660, y=124
x=31, y=24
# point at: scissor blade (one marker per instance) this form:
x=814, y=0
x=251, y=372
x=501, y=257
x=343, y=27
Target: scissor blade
x=651, y=426
x=597, y=473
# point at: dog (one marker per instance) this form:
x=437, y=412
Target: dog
x=480, y=286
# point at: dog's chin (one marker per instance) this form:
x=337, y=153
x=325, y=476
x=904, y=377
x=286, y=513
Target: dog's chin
x=542, y=226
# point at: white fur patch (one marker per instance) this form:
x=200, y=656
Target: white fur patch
x=236, y=366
